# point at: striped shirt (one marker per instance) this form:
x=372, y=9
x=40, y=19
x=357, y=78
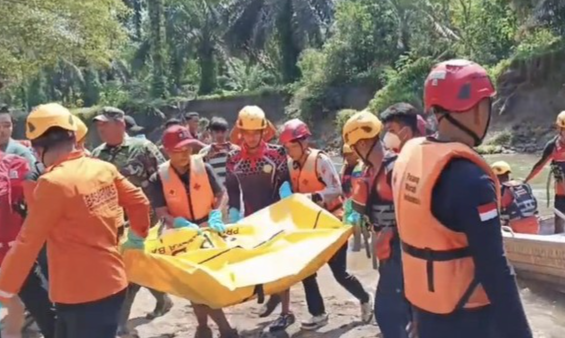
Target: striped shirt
x=216, y=155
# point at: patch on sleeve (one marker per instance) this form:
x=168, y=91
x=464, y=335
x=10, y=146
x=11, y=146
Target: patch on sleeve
x=488, y=211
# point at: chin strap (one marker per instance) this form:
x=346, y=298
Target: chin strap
x=476, y=139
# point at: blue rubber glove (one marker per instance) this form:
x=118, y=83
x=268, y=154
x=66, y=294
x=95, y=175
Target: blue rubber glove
x=215, y=221
x=353, y=218
x=234, y=215
x=285, y=190
x=133, y=242
x=183, y=223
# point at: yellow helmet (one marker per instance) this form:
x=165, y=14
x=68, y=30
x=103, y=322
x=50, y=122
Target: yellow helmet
x=48, y=116
x=251, y=118
x=363, y=125
x=82, y=129
x=560, y=122
x=346, y=149
x=501, y=168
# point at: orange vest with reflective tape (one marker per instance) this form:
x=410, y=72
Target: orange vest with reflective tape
x=439, y=273
x=194, y=205
x=306, y=180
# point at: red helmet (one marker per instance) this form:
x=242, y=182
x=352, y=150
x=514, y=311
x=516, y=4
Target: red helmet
x=457, y=86
x=294, y=130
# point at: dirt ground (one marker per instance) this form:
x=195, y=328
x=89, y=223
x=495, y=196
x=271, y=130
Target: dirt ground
x=546, y=312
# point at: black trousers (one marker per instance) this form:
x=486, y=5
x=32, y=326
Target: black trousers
x=98, y=319
x=338, y=265
x=35, y=296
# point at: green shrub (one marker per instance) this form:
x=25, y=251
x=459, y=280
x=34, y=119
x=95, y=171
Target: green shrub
x=342, y=117
x=404, y=84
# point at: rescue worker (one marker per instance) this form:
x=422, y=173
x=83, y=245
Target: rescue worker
x=216, y=154
x=456, y=274
x=256, y=177
x=372, y=197
x=78, y=213
x=187, y=193
x=313, y=173
x=554, y=151
x=402, y=123
x=519, y=207
x=351, y=168
x=136, y=159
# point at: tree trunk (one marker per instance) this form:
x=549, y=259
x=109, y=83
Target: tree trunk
x=156, y=18
x=207, y=64
x=290, y=52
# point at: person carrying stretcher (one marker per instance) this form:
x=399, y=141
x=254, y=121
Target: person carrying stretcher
x=312, y=172
x=186, y=193
x=77, y=211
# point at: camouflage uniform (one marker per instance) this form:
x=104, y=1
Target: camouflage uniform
x=137, y=159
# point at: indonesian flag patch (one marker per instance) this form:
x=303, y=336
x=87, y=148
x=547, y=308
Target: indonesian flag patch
x=488, y=211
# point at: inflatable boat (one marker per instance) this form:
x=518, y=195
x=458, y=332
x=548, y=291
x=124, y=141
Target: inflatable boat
x=539, y=258
x=262, y=254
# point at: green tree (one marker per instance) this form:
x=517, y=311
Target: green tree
x=295, y=24
x=35, y=34
x=158, y=49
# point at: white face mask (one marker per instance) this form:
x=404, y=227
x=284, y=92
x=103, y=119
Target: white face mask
x=392, y=141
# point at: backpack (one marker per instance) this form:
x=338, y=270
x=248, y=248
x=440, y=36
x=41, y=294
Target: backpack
x=13, y=171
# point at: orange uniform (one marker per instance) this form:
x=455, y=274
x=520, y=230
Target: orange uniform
x=307, y=180
x=439, y=272
x=77, y=211
x=195, y=205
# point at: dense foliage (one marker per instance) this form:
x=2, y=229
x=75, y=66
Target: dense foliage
x=140, y=54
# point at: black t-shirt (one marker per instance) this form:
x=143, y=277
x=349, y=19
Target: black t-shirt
x=155, y=188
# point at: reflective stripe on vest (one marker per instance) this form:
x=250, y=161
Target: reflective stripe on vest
x=198, y=202
x=523, y=205
x=439, y=273
x=305, y=180
x=381, y=211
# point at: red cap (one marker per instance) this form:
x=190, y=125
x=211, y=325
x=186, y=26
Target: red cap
x=176, y=137
x=294, y=130
x=457, y=86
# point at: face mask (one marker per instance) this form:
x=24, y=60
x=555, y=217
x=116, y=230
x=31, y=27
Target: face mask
x=392, y=141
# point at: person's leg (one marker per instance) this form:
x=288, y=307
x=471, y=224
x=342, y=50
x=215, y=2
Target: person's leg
x=464, y=324
x=392, y=311
x=338, y=265
x=163, y=304
x=12, y=327
x=559, y=204
x=132, y=291
x=286, y=317
x=219, y=317
x=35, y=296
x=201, y=314
x=98, y=319
x=315, y=304
x=269, y=306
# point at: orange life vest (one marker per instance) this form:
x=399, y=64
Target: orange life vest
x=439, y=273
x=306, y=180
x=194, y=205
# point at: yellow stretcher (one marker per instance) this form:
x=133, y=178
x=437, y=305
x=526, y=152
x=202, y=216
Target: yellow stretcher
x=262, y=254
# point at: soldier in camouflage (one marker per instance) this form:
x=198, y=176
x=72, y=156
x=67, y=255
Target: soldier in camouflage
x=137, y=159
